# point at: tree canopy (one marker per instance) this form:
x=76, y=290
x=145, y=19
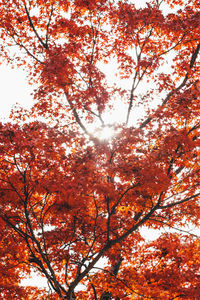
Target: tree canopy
x=74, y=203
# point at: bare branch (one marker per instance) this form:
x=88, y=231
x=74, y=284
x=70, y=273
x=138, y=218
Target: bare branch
x=179, y=202
x=179, y=87
x=33, y=27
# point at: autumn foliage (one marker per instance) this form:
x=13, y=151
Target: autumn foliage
x=102, y=217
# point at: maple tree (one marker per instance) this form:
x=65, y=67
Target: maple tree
x=73, y=205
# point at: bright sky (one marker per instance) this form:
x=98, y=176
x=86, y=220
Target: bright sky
x=14, y=89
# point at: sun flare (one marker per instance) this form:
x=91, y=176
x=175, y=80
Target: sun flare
x=105, y=133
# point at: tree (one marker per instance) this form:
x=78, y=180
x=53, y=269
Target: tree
x=73, y=205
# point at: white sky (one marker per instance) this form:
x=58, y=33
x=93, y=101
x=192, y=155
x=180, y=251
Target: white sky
x=14, y=89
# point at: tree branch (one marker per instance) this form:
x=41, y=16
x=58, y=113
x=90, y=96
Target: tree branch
x=77, y=118
x=174, y=91
x=179, y=202
x=33, y=27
